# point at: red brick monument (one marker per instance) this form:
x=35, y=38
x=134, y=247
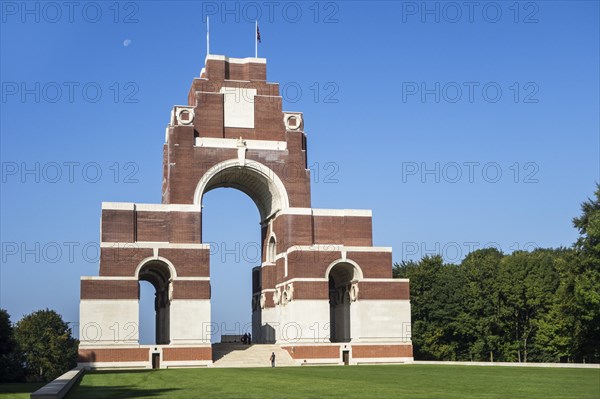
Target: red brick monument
x=323, y=292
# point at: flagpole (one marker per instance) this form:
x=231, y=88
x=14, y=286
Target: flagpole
x=256, y=39
x=207, y=36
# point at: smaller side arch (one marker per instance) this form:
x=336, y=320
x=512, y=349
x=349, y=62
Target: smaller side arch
x=159, y=272
x=145, y=261
x=342, y=276
x=358, y=271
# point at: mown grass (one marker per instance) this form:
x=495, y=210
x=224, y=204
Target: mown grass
x=401, y=381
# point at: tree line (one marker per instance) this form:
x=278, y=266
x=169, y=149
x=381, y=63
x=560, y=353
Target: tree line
x=40, y=347
x=538, y=306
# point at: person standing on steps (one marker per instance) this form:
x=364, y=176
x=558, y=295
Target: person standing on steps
x=272, y=359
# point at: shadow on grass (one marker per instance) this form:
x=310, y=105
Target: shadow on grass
x=20, y=387
x=116, y=392
x=132, y=371
x=102, y=392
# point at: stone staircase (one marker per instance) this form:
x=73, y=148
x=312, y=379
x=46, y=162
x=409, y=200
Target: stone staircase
x=255, y=355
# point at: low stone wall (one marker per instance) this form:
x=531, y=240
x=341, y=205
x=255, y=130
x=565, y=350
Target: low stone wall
x=515, y=364
x=60, y=387
x=231, y=339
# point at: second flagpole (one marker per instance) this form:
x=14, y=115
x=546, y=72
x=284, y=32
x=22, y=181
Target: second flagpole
x=207, y=36
x=256, y=39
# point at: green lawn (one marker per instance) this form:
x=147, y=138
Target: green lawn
x=402, y=381
x=18, y=391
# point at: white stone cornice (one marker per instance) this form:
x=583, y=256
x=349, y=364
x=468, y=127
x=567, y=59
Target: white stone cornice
x=191, y=279
x=267, y=145
x=336, y=247
x=231, y=60
x=108, y=278
x=129, y=278
x=327, y=212
x=302, y=280
x=130, y=206
x=152, y=245
x=118, y=206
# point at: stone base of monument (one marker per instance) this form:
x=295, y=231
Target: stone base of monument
x=350, y=353
x=144, y=356
x=236, y=354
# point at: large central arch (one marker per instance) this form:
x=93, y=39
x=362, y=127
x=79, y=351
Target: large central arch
x=253, y=178
x=264, y=188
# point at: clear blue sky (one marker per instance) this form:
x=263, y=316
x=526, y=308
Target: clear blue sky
x=372, y=129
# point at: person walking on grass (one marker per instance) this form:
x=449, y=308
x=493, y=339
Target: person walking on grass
x=273, y=359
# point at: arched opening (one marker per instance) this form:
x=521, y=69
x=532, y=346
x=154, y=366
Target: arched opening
x=157, y=273
x=147, y=314
x=230, y=224
x=254, y=179
x=341, y=276
x=235, y=249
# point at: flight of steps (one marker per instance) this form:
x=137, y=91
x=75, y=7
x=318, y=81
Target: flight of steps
x=255, y=355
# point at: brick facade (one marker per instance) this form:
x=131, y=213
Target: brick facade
x=187, y=354
x=314, y=352
x=110, y=289
x=384, y=290
x=379, y=351
x=191, y=289
x=113, y=355
x=132, y=225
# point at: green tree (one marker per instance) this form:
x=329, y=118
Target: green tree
x=587, y=280
x=528, y=281
x=572, y=329
x=435, y=303
x=555, y=334
x=479, y=319
x=48, y=348
x=527, y=306
x=10, y=360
